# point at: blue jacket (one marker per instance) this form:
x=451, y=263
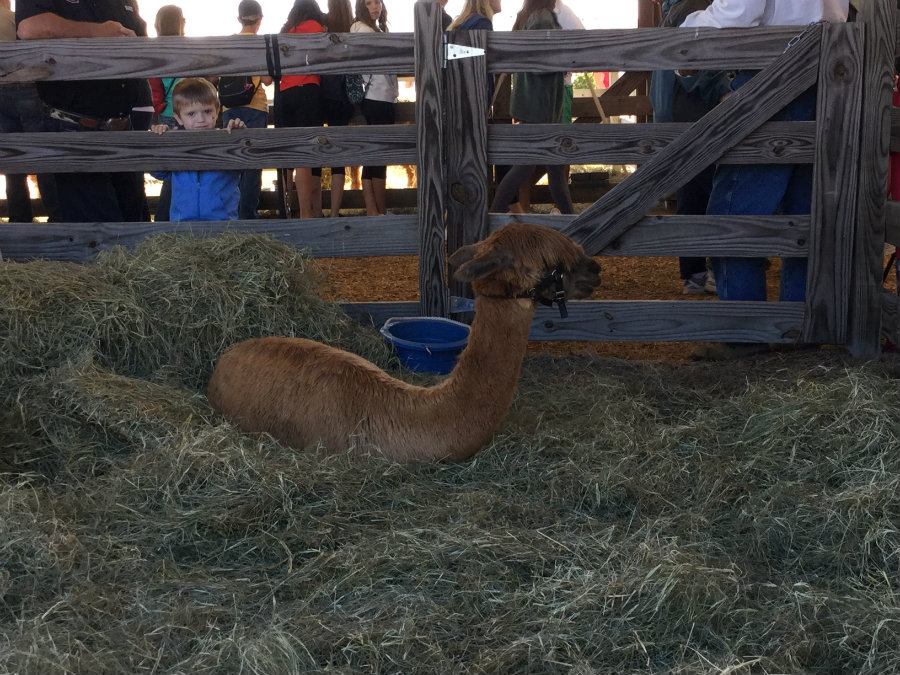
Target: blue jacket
x=203, y=195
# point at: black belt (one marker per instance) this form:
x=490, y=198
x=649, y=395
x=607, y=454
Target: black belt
x=111, y=124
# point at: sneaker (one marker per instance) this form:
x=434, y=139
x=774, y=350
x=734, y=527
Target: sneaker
x=700, y=285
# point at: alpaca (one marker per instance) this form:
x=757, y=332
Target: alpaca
x=307, y=394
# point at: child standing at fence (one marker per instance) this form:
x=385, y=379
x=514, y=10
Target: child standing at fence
x=337, y=111
x=537, y=98
x=379, y=104
x=300, y=105
x=201, y=195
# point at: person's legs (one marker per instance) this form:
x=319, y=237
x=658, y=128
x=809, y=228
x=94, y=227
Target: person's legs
x=303, y=184
x=374, y=177
x=18, y=198
x=337, y=190
x=509, y=187
x=251, y=179
x=375, y=190
x=692, y=199
x=129, y=190
x=315, y=192
x=559, y=189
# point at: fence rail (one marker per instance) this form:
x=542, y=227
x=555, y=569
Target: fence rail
x=847, y=146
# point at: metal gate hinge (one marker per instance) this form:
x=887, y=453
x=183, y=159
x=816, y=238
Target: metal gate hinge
x=453, y=52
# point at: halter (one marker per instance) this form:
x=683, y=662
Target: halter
x=554, y=282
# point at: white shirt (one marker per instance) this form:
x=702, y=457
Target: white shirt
x=378, y=87
x=749, y=13
x=566, y=17
x=567, y=20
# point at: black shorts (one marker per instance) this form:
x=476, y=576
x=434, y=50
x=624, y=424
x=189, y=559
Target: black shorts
x=301, y=106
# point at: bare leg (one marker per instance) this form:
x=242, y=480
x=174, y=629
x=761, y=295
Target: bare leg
x=303, y=183
x=379, y=188
x=337, y=193
x=315, y=197
x=369, y=197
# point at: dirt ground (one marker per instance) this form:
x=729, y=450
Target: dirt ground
x=394, y=278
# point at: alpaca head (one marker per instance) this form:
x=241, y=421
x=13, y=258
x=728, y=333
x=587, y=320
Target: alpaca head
x=519, y=258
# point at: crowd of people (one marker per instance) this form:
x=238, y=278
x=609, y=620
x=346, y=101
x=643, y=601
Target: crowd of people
x=314, y=100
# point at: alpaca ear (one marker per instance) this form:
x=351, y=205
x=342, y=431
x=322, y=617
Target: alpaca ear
x=462, y=255
x=479, y=268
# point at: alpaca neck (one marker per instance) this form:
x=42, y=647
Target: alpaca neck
x=482, y=385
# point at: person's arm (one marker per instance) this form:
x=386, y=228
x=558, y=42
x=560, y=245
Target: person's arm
x=728, y=14
x=49, y=25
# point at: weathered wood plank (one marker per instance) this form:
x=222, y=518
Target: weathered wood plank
x=113, y=58
x=773, y=142
x=638, y=50
x=703, y=143
x=881, y=23
x=676, y=321
x=642, y=321
x=761, y=236
x=642, y=49
x=433, y=295
x=836, y=166
x=467, y=163
x=196, y=150
x=324, y=237
x=775, y=236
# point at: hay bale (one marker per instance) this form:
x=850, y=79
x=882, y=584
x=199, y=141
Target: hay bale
x=167, y=309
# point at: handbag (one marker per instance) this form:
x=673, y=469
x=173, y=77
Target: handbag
x=356, y=90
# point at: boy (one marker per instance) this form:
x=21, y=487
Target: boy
x=200, y=195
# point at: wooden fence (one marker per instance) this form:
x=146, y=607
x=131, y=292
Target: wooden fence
x=453, y=145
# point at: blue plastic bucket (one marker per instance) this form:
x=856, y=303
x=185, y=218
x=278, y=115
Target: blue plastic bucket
x=426, y=344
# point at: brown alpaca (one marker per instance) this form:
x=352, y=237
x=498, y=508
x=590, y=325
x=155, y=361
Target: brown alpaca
x=307, y=394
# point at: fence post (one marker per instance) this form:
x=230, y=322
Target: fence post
x=834, y=208
x=880, y=19
x=433, y=296
x=467, y=167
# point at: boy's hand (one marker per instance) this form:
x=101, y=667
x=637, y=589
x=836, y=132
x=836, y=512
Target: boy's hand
x=235, y=123
x=159, y=128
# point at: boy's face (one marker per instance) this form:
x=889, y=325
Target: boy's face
x=198, y=115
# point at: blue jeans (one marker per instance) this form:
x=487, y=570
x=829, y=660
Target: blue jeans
x=763, y=189
x=21, y=111
x=251, y=179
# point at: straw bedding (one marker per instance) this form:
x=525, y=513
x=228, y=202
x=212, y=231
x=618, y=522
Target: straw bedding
x=629, y=517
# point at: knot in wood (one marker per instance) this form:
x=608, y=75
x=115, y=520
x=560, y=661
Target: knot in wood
x=321, y=140
x=565, y=143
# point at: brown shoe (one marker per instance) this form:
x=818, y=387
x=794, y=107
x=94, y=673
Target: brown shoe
x=728, y=351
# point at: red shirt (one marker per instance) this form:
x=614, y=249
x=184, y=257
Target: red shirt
x=288, y=81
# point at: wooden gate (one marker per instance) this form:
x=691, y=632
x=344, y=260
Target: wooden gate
x=453, y=146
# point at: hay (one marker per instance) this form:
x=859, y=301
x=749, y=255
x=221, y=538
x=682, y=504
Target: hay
x=167, y=309
x=628, y=517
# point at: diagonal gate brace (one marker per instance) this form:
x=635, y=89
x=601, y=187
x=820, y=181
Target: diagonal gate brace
x=700, y=145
